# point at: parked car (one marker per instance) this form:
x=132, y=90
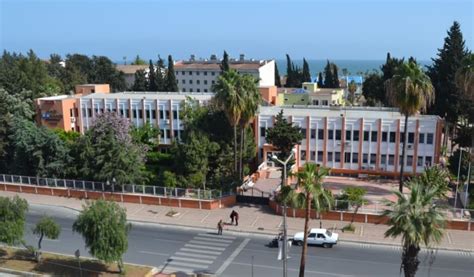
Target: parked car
x=322, y=237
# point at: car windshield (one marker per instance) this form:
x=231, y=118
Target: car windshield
x=328, y=233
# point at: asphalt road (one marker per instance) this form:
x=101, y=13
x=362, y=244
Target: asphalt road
x=193, y=250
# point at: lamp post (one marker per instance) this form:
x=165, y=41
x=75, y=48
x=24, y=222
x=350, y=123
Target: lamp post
x=285, y=237
x=457, y=185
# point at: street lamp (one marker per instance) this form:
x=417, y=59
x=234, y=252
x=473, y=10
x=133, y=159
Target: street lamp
x=285, y=237
x=457, y=185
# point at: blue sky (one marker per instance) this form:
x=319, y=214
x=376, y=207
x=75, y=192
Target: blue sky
x=335, y=29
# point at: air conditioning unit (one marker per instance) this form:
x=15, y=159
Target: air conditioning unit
x=338, y=144
x=167, y=121
x=347, y=143
x=410, y=146
x=364, y=167
x=73, y=120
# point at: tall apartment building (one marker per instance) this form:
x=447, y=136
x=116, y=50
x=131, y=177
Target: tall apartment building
x=352, y=140
x=199, y=75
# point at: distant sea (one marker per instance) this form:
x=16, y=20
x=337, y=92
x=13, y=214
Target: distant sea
x=354, y=67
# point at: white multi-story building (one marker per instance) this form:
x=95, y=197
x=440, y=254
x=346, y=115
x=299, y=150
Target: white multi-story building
x=161, y=109
x=352, y=140
x=199, y=75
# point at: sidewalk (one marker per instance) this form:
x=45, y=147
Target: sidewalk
x=253, y=219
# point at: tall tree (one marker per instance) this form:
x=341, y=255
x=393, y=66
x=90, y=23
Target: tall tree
x=152, y=77
x=104, y=227
x=138, y=61
x=171, y=83
x=328, y=76
x=140, y=83
x=335, y=75
x=230, y=100
x=283, y=136
x=410, y=90
x=45, y=227
x=277, y=76
x=12, y=219
x=320, y=80
x=443, y=73
x=373, y=90
x=309, y=191
x=465, y=76
x=225, y=62
x=417, y=221
x=160, y=77
x=390, y=67
x=352, y=88
x=306, y=73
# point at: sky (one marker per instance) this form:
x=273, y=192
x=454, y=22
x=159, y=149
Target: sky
x=337, y=29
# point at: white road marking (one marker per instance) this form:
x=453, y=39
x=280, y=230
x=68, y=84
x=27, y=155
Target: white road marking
x=209, y=243
x=154, y=253
x=209, y=239
x=201, y=251
x=196, y=255
x=216, y=236
x=231, y=257
x=190, y=260
x=204, y=218
x=185, y=264
x=293, y=269
x=170, y=269
x=204, y=247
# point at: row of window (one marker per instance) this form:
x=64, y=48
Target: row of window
x=213, y=73
x=366, y=159
x=191, y=90
x=367, y=135
x=176, y=133
x=198, y=82
x=135, y=113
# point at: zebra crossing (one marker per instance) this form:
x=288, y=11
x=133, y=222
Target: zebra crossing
x=197, y=254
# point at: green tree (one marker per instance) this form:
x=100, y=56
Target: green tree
x=454, y=163
x=465, y=82
x=152, y=77
x=283, y=136
x=225, y=62
x=12, y=219
x=145, y=135
x=355, y=198
x=465, y=76
x=138, y=61
x=45, y=227
x=335, y=75
x=104, y=227
x=320, y=80
x=410, y=90
x=390, y=67
x=352, y=88
x=291, y=73
x=328, y=76
x=443, y=74
x=277, y=76
x=171, y=83
x=140, y=83
x=417, y=221
x=435, y=178
x=160, y=77
x=309, y=191
x=373, y=90
x=306, y=72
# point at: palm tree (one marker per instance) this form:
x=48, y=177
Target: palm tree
x=251, y=99
x=309, y=191
x=410, y=90
x=465, y=76
x=229, y=99
x=352, y=87
x=417, y=220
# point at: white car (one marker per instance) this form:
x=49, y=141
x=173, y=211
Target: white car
x=317, y=237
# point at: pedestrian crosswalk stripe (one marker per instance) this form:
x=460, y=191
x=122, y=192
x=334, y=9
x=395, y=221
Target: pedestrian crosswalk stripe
x=213, y=239
x=186, y=264
x=204, y=247
x=200, y=251
x=170, y=269
x=216, y=236
x=209, y=243
x=190, y=260
x=196, y=255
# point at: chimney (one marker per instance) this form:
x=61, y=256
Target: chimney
x=192, y=58
x=242, y=57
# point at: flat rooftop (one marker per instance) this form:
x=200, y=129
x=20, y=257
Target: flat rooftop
x=215, y=65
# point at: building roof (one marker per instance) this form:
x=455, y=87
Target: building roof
x=57, y=97
x=215, y=65
x=151, y=95
x=130, y=69
x=337, y=111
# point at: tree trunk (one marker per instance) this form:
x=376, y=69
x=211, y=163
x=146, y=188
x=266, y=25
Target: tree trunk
x=242, y=139
x=410, y=260
x=305, y=238
x=120, y=265
x=353, y=215
x=404, y=146
x=235, y=149
x=40, y=240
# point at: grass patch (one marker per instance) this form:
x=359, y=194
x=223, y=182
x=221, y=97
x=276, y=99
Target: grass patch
x=59, y=265
x=349, y=228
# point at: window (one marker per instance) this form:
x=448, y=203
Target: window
x=366, y=135
x=205, y=73
x=392, y=137
x=373, y=136
x=312, y=236
x=428, y=160
x=213, y=82
x=190, y=73
x=365, y=158
x=303, y=155
x=262, y=131
x=313, y=133
x=337, y=157
x=147, y=114
x=135, y=114
x=140, y=113
x=420, y=161
x=330, y=134
x=329, y=156
x=402, y=137
x=175, y=133
x=213, y=73
x=320, y=134
x=355, y=157
x=153, y=114
x=316, y=102
x=348, y=135
x=182, y=72
x=312, y=155
x=127, y=112
x=391, y=159
x=190, y=81
x=356, y=135
x=197, y=72
x=190, y=90
x=409, y=160
x=384, y=136
x=168, y=134
x=89, y=112
x=205, y=82
x=183, y=81
x=205, y=90
x=429, y=138
x=175, y=114
x=347, y=157
x=320, y=156
x=162, y=133
x=325, y=102
x=373, y=158
x=383, y=159
x=411, y=137
x=198, y=90
x=421, y=138
x=184, y=89
x=162, y=114
x=303, y=132
x=338, y=134
x=198, y=82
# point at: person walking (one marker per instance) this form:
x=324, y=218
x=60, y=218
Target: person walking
x=236, y=216
x=219, y=227
x=232, y=216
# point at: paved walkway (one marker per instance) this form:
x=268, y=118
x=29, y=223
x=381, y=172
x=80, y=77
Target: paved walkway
x=253, y=219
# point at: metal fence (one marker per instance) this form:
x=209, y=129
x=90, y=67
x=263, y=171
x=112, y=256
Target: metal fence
x=202, y=194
